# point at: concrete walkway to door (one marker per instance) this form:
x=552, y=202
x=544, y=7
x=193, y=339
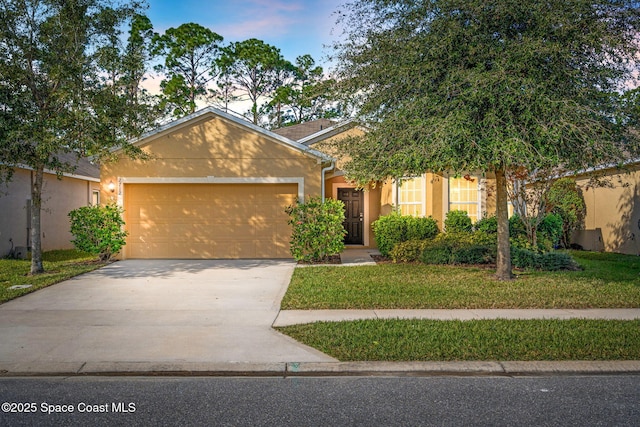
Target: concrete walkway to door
x=153, y=315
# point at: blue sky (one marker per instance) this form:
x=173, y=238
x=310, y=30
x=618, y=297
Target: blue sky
x=296, y=27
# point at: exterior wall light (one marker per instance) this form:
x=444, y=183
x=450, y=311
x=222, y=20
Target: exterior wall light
x=111, y=186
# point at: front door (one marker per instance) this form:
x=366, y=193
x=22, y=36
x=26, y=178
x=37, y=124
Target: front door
x=354, y=215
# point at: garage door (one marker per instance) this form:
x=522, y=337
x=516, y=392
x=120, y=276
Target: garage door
x=208, y=220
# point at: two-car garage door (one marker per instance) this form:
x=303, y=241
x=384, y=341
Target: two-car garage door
x=208, y=220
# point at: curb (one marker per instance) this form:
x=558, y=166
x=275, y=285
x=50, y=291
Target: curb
x=311, y=369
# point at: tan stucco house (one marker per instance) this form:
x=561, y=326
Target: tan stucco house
x=428, y=195
x=216, y=186
x=60, y=196
x=612, y=222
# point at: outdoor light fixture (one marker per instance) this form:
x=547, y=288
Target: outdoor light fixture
x=111, y=186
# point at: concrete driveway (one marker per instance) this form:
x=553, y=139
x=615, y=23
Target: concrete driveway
x=162, y=313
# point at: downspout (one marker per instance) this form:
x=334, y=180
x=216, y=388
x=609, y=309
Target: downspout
x=322, y=177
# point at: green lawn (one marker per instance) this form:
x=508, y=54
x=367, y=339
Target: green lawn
x=606, y=281
x=59, y=266
x=433, y=340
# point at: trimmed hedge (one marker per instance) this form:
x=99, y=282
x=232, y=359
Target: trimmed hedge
x=392, y=229
x=548, y=261
x=458, y=222
x=460, y=248
x=476, y=248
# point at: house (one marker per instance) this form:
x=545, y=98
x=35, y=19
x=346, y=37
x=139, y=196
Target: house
x=216, y=186
x=430, y=194
x=612, y=222
x=60, y=196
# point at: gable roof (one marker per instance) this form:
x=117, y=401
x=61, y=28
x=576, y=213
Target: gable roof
x=210, y=111
x=327, y=132
x=303, y=130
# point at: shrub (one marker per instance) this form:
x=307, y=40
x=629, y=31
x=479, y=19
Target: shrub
x=550, y=231
x=487, y=224
x=98, y=230
x=408, y=251
x=318, y=230
x=460, y=248
x=457, y=222
x=392, y=229
x=565, y=199
x=548, y=261
x=419, y=228
x=516, y=227
x=554, y=260
x=389, y=230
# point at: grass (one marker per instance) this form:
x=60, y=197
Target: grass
x=59, y=265
x=606, y=281
x=434, y=340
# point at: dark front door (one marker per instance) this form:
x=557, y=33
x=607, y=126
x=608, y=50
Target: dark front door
x=354, y=215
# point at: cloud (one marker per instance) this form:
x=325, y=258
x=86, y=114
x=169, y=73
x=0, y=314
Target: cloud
x=262, y=18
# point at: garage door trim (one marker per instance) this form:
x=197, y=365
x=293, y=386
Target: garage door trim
x=209, y=180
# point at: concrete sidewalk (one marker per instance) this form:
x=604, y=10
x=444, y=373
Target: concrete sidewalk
x=215, y=318
x=293, y=317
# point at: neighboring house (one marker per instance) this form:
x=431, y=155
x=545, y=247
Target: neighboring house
x=60, y=196
x=216, y=186
x=612, y=222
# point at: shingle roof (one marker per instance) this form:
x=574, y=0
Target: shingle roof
x=303, y=130
x=83, y=166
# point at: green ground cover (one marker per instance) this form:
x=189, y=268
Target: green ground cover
x=59, y=265
x=435, y=340
x=606, y=281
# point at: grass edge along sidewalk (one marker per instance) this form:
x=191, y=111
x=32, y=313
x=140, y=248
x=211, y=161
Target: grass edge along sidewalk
x=472, y=340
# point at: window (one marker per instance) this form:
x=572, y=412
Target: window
x=464, y=196
x=411, y=196
x=95, y=197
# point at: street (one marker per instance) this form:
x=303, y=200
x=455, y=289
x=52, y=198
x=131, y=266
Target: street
x=336, y=401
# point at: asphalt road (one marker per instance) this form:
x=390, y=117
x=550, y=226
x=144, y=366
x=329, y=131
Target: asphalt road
x=340, y=401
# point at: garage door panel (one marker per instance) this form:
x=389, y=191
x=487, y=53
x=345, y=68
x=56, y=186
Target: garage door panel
x=208, y=220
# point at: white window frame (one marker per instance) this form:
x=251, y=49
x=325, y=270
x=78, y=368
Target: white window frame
x=95, y=197
x=423, y=194
x=446, y=194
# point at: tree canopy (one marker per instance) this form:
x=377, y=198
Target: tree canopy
x=66, y=87
x=190, y=52
x=256, y=69
x=495, y=87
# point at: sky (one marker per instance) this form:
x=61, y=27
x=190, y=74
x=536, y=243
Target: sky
x=296, y=27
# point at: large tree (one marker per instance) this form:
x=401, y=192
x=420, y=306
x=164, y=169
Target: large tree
x=306, y=95
x=56, y=94
x=190, y=52
x=254, y=68
x=496, y=87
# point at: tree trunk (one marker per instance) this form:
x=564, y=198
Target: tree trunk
x=503, y=267
x=36, y=211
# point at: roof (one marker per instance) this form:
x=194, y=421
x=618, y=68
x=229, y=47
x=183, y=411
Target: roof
x=303, y=130
x=173, y=125
x=83, y=166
